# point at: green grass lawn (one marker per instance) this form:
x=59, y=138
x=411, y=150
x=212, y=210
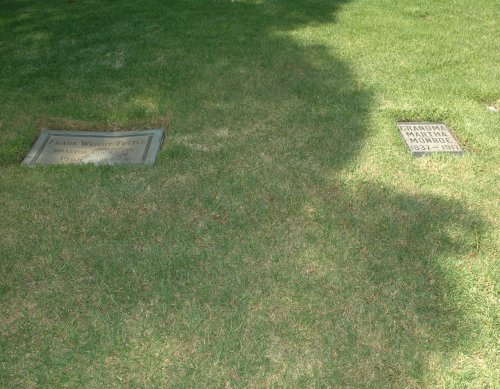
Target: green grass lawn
x=285, y=237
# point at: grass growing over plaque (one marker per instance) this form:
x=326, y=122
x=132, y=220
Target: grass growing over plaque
x=285, y=237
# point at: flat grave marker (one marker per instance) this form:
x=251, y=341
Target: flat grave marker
x=423, y=138
x=55, y=147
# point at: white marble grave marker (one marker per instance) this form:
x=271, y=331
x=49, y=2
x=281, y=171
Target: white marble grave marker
x=427, y=138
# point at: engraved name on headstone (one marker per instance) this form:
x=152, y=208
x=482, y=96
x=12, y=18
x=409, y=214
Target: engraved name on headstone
x=427, y=138
x=55, y=147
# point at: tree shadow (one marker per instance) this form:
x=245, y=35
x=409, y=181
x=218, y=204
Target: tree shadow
x=276, y=271
x=230, y=56
x=380, y=285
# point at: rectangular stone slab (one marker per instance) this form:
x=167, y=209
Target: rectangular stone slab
x=424, y=138
x=55, y=147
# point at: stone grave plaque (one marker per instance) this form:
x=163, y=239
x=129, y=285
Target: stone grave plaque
x=427, y=138
x=55, y=147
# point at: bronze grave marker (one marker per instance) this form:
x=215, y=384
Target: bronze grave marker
x=55, y=147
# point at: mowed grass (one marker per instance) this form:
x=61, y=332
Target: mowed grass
x=284, y=237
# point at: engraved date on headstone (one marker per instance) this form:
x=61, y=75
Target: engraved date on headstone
x=424, y=138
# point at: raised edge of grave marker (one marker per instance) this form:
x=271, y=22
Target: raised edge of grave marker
x=56, y=147
x=424, y=138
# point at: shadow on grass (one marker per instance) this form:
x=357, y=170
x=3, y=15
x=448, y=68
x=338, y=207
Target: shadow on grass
x=240, y=257
x=353, y=288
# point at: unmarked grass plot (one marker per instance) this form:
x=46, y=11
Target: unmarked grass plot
x=285, y=237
